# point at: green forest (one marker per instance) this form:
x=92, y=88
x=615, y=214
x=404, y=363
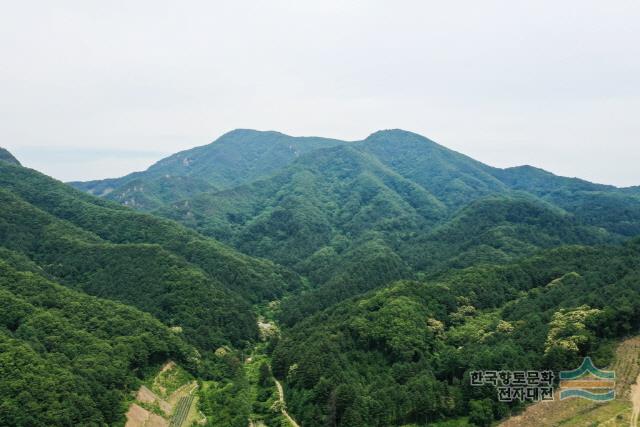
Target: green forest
x=366, y=278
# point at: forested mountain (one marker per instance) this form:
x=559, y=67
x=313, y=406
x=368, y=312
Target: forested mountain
x=331, y=195
x=351, y=216
x=401, y=354
x=453, y=178
x=235, y=158
x=489, y=231
x=246, y=179
x=150, y=194
x=602, y=205
x=71, y=357
x=393, y=266
x=67, y=358
x=8, y=157
x=106, y=250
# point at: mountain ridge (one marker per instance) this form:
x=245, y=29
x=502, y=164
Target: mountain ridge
x=203, y=159
x=6, y=156
x=382, y=192
x=112, y=251
x=392, y=264
x=241, y=135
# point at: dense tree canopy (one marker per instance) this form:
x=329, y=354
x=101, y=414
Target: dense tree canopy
x=403, y=351
x=70, y=359
x=394, y=266
x=310, y=204
x=184, y=279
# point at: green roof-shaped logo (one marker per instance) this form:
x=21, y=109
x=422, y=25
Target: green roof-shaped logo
x=587, y=367
x=579, y=382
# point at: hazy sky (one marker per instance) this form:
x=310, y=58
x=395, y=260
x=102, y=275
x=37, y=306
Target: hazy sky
x=91, y=89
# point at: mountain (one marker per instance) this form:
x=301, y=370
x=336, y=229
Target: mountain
x=402, y=354
x=453, y=178
x=67, y=358
x=184, y=181
x=457, y=180
x=393, y=265
x=6, y=156
x=500, y=228
x=158, y=266
x=417, y=205
x=616, y=209
x=321, y=197
x=237, y=157
x=151, y=194
x=412, y=265
x=489, y=231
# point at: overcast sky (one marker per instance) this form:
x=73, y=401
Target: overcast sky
x=94, y=89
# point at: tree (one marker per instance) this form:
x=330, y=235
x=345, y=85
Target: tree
x=265, y=379
x=481, y=412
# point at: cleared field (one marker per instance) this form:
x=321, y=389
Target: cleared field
x=170, y=400
x=137, y=416
x=580, y=412
x=181, y=411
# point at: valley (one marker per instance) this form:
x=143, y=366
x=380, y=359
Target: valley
x=273, y=412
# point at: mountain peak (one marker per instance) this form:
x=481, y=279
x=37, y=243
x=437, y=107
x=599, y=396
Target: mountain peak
x=398, y=136
x=244, y=133
x=6, y=156
x=393, y=132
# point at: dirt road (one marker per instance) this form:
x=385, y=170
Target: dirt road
x=635, y=400
x=284, y=405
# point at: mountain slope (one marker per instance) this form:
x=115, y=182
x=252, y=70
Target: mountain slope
x=150, y=194
x=349, y=223
x=237, y=157
x=616, y=209
x=252, y=277
x=494, y=230
x=243, y=156
x=419, y=264
x=457, y=180
x=6, y=156
x=319, y=199
x=352, y=216
x=401, y=354
x=498, y=229
x=453, y=178
x=106, y=250
x=67, y=358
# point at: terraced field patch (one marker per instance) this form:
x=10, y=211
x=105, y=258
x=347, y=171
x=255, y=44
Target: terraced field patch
x=169, y=400
x=182, y=410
